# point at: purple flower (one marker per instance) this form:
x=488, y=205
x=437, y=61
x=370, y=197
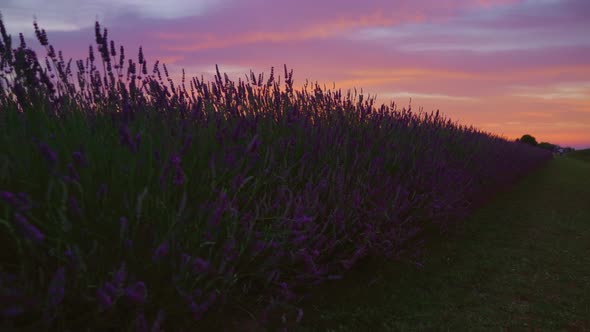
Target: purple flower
x=237, y=181
x=229, y=251
x=119, y=276
x=178, y=177
x=259, y=246
x=184, y=259
x=272, y=275
x=136, y=293
x=24, y=202
x=200, y=265
x=198, y=310
x=48, y=154
x=215, y=218
x=193, y=306
x=72, y=259
x=69, y=254
x=9, y=198
x=110, y=289
x=230, y=158
x=125, y=135
x=299, y=315
x=20, y=201
x=74, y=206
x=72, y=172
x=31, y=232
x=79, y=159
x=302, y=221
x=161, y=251
x=212, y=298
x=299, y=239
x=57, y=287
x=273, y=244
x=158, y=322
x=253, y=145
x=187, y=143
x=104, y=300
x=141, y=324
x=13, y=311
x=175, y=160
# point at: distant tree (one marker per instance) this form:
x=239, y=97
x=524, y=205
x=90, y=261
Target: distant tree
x=568, y=149
x=548, y=146
x=528, y=139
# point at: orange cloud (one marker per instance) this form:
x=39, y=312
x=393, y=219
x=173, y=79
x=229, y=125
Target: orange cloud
x=405, y=73
x=315, y=31
x=448, y=74
x=532, y=114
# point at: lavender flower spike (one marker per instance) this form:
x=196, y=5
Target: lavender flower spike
x=141, y=324
x=30, y=231
x=48, y=154
x=104, y=300
x=57, y=287
x=161, y=251
x=79, y=159
x=9, y=198
x=200, y=265
x=137, y=293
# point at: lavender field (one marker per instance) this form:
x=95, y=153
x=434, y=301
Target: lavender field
x=129, y=201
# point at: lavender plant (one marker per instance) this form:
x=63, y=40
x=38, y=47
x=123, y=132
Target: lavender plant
x=130, y=202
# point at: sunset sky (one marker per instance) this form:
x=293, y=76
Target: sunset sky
x=509, y=67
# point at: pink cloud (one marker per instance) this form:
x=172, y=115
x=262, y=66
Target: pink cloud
x=464, y=57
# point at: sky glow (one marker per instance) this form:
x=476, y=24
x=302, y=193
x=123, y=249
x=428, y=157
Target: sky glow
x=509, y=67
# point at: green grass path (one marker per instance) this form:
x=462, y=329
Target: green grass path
x=522, y=263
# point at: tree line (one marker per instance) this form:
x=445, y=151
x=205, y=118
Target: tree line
x=531, y=140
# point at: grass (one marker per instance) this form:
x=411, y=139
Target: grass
x=583, y=155
x=521, y=263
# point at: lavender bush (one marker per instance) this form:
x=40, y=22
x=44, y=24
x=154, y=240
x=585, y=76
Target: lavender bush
x=131, y=202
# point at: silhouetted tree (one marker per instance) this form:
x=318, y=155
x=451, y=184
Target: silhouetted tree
x=568, y=149
x=548, y=146
x=528, y=139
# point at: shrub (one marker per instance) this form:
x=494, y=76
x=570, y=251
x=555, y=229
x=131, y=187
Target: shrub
x=130, y=203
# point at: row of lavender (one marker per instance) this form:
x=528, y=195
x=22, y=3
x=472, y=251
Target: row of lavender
x=129, y=202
